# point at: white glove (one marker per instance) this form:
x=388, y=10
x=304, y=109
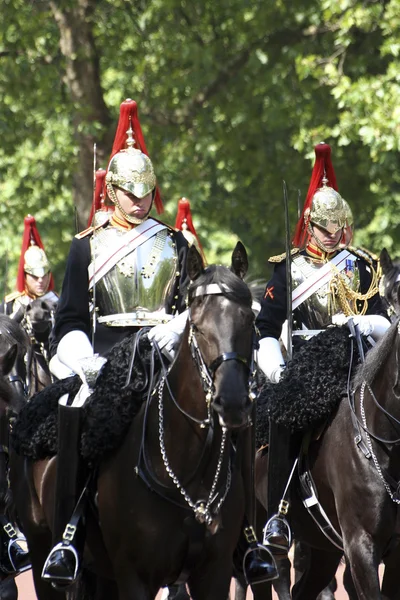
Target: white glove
x=168, y=335
x=373, y=325
x=72, y=348
x=58, y=369
x=270, y=359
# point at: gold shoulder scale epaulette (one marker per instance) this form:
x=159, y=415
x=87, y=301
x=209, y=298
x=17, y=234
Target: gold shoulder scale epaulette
x=280, y=257
x=89, y=231
x=363, y=253
x=13, y=296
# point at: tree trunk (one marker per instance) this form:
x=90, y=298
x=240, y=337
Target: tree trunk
x=91, y=117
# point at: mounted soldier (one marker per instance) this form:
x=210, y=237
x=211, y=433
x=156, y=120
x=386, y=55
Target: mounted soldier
x=34, y=278
x=34, y=283
x=331, y=283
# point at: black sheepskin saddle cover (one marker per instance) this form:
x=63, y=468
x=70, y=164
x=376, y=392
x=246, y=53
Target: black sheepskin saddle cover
x=312, y=385
x=107, y=414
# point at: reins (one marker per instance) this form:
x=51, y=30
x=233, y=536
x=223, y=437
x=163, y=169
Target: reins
x=368, y=451
x=204, y=510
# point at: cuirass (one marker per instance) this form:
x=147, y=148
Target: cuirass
x=133, y=292
x=317, y=310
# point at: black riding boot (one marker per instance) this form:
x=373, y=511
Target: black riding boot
x=258, y=563
x=14, y=555
x=282, y=453
x=63, y=563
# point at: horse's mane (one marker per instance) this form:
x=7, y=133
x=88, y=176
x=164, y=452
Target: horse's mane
x=234, y=288
x=11, y=332
x=376, y=357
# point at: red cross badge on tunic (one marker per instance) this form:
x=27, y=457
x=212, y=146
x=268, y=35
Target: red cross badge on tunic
x=269, y=292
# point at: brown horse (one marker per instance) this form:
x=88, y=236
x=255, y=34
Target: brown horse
x=355, y=465
x=170, y=499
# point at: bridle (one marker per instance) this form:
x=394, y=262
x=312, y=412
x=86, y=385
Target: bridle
x=368, y=451
x=205, y=510
x=207, y=373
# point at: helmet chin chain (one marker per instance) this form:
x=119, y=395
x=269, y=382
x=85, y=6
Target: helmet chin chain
x=129, y=218
x=320, y=245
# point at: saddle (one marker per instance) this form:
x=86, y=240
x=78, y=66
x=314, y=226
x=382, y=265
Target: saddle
x=121, y=388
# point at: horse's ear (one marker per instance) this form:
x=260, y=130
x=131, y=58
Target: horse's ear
x=8, y=359
x=240, y=263
x=194, y=263
x=386, y=261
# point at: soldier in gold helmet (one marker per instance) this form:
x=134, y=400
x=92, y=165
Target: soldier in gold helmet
x=34, y=279
x=331, y=282
x=125, y=272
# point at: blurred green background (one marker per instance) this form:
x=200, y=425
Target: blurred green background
x=233, y=95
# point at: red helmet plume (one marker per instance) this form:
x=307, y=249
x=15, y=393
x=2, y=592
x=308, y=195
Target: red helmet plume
x=184, y=223
x=129, y=136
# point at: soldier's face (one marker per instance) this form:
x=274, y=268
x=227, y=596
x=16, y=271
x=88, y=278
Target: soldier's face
x=37, y=286
x=133, y=206
x=329, y=240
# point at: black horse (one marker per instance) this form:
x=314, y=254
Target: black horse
x=25, y=373
x=390, y=282
x=170, y=498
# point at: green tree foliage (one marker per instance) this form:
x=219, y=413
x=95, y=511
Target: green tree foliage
x=232, y=96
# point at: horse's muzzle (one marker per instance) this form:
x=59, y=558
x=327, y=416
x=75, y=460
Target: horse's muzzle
x=233, y=414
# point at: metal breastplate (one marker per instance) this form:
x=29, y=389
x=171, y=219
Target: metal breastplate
x=317, y=310
x=133, y=292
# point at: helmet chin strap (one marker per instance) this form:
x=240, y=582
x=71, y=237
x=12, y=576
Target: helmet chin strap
x=320, y=245
x=129, y=218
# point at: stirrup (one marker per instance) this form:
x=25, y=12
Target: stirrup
x=267, y=569
x=16, y=559
x=14, y=552
x=51, y=560
x=285, y=533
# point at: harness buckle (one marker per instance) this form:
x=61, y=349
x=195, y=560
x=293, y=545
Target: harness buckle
x=10, y=531
x=69, y=532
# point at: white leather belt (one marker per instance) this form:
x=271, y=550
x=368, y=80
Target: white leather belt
x=140, y=318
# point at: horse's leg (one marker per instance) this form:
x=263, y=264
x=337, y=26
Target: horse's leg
x=391, y=580
x=282, y=584
x=8, y=590
x=177, y=592
x=300, y=562
x=348, y=583
x=320, y=571
x=131, y=587
x=364, y=567
x=212, y=581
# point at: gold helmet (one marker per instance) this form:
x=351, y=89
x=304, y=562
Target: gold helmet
x=130, y=167
x=131, y=170
x=33, y=259
x=329, y=210
x=323, y=206
x=35, y=262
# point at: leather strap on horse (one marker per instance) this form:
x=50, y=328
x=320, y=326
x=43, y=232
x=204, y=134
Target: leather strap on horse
x=310, y=500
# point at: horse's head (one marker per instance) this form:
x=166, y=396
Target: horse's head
x=39, y=318
x=221, y=334
x=389, y=287
x=8, y=396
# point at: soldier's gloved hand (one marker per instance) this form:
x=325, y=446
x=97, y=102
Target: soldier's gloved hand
x=373, y=325
x=168, y=335
x=270, y=359
x=72, y=348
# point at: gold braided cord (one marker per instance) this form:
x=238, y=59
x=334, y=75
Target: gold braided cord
x=341, y=290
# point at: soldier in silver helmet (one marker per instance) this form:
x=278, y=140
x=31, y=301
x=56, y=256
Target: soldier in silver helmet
x=123, y=273
x=331, y=282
